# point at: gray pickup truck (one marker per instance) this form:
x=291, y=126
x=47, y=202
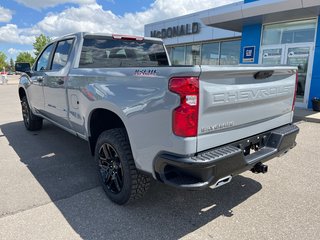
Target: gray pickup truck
x=190, y=127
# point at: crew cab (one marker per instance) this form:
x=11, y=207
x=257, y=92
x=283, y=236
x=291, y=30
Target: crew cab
x=190, y=127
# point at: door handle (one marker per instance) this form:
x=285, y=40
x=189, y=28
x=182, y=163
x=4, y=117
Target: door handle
x=40, y=79
x=60, y=81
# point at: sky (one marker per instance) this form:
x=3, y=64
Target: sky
x=22, y=20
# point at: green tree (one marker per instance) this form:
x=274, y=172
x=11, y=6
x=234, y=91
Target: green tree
x=40, y=43
x=11, y=64
x=3, y=58
x=25, y=57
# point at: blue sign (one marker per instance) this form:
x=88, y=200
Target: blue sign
x=248, y=54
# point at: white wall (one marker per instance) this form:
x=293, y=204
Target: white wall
x=206, y=33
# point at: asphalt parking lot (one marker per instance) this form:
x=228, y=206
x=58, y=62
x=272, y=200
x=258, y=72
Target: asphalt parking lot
x=49, y=190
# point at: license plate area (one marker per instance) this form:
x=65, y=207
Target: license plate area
x=252, y=144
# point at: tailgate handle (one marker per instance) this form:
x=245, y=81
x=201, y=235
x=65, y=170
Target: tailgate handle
x=263, y=74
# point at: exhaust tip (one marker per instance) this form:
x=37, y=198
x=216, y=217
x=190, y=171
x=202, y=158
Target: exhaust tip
x=221, y=182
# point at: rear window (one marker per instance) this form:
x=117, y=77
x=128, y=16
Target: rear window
x=103, y=52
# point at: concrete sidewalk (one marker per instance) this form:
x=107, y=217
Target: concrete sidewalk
x=11, y=80
x=306, y=115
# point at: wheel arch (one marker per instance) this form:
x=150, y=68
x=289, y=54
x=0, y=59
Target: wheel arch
x=100, y=120
x=22, y=93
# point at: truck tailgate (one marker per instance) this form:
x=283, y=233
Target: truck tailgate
x=238, y=102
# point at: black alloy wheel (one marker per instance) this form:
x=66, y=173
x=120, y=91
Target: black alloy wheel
x=31, y=121
x=120, y=179
x=25, y=113
x=110, y=168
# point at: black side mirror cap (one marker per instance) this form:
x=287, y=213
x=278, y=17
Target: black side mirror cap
x=23, y=67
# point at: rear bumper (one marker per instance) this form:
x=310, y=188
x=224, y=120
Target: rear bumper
x=206, y=168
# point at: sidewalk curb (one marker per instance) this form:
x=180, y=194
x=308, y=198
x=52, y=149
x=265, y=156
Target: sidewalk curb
x=306, y=115
x=306, y=119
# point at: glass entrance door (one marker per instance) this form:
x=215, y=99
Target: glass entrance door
x=299, y=56
x=294, y=55
x=272, y=56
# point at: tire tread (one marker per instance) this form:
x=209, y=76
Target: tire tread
x=139, y=182
x=35, y=122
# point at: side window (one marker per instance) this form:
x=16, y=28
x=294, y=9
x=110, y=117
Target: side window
x=42, y=63
x=61, y=54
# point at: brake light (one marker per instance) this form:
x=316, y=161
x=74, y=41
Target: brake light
x=185, y=117
x=295, y=91
x=126, y=37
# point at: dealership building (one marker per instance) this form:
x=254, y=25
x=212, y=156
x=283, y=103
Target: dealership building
x=250, y=32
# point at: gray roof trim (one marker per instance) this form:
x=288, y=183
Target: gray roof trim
x=235, y=16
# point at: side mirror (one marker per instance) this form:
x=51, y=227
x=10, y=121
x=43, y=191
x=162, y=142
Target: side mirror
x=23, y=67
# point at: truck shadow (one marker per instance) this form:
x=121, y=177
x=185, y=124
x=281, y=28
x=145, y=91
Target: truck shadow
x=62, y=164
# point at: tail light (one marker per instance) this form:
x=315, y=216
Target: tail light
x=295, y=91
x=185, y=117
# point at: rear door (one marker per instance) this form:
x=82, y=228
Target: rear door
x=56, y=107
x=238, y=102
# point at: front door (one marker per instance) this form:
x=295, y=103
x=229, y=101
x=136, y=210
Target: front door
x=299, y=55
x=37, y=76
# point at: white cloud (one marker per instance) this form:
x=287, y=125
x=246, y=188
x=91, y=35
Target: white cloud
x=5, y=14
x=10, y=33
x=41, y=4
x=13, y=53
x=93, y=18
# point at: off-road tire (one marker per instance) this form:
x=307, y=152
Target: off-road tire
x=115, y=144
x=31, y=121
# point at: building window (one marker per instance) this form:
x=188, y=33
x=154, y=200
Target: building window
x=178, y=55
x=214, y=53
x=291, y=32
x=210, y=53
x=229, y=53
x=193, y=55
